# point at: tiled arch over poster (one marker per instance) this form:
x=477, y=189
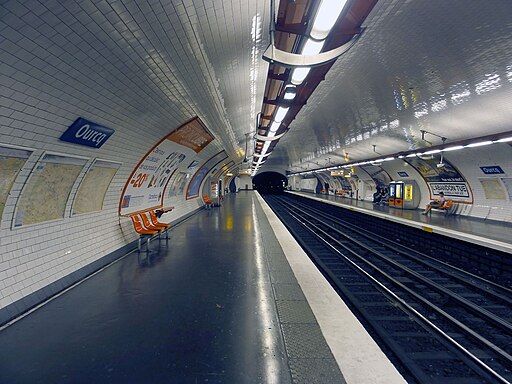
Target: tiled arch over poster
x=146, y=185
x=197, y=179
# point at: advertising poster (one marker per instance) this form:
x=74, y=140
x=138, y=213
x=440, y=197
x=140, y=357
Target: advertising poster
x=408, y=192
x=214, y=189
x=223, y=169
x=177, y=184
x=378, y=175
x=344, y=183
x=146, y=186
x=197, y=179
x=442, y=178
x=193, y=135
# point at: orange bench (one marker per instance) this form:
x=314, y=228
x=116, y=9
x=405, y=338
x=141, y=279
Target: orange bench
x=448, y=207
x=149, y=223
x=154, y=219
x=208, y=203
x=147, y=227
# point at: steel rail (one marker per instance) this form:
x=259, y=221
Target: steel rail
x=309, y=225
x=418, y=256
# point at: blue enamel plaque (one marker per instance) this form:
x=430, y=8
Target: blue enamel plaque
x=85, y=132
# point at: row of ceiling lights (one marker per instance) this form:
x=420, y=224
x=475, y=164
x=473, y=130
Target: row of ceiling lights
x=325, y=18
x=487, y=140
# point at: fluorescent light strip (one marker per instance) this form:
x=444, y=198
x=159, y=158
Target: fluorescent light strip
x=312, y=47
x=432, y=152
x=325, y=18
x=447, y=149
x=280, y=114
x=504, y=140
x=274, y=127
x=478, y=144
x=299, y=74
x=453, y=148
x=290, y=92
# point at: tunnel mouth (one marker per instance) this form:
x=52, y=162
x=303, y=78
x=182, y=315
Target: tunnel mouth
x=270, y=182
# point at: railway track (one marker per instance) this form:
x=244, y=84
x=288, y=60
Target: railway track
x=439, y=323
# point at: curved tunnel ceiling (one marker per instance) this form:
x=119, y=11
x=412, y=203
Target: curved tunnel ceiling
x=159, y=63
x=440, y=66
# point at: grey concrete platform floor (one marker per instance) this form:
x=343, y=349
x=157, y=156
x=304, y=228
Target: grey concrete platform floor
x=218, y=304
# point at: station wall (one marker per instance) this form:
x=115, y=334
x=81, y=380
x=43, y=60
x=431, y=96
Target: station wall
x=35, y=256
x=492, y=192
x=487, y=171
x=49, y=76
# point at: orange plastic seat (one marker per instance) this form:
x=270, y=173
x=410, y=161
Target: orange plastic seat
x=447, y=207
x=154, y=219
x=149, y=225
x=207, y=201
x=140, y=228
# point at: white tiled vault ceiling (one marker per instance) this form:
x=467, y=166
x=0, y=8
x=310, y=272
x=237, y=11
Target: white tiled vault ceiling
x=165, y=60
x=444, y=66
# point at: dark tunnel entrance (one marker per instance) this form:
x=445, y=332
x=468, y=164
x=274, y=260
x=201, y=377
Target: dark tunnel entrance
x=270, y=182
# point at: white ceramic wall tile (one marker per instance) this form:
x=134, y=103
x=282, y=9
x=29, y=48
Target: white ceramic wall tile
x=499, y=154
x=142, y=68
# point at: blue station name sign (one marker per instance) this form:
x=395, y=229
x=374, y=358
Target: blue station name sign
x=492, y=170
x=85, y=132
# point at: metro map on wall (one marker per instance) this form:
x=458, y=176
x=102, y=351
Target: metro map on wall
x=11, y=162
x=94, y=186
x=46, y=193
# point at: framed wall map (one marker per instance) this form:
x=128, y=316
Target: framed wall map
x=94, y=186
x=12, y=161
x=46, y=193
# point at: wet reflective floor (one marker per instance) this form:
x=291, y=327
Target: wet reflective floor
x=200, y=311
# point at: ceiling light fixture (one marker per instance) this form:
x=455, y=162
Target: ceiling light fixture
x=290, y=92
x=453, y=148
x=325, y=18
x=432, y=152
x=312, y=47
x=299, y=74
x=307, y=51
x=478, y=144
x=504, y=140
x=427, y=155
x=274, y=127
x=280, y=114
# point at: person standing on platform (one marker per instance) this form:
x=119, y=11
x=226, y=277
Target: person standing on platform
x=435, y=204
